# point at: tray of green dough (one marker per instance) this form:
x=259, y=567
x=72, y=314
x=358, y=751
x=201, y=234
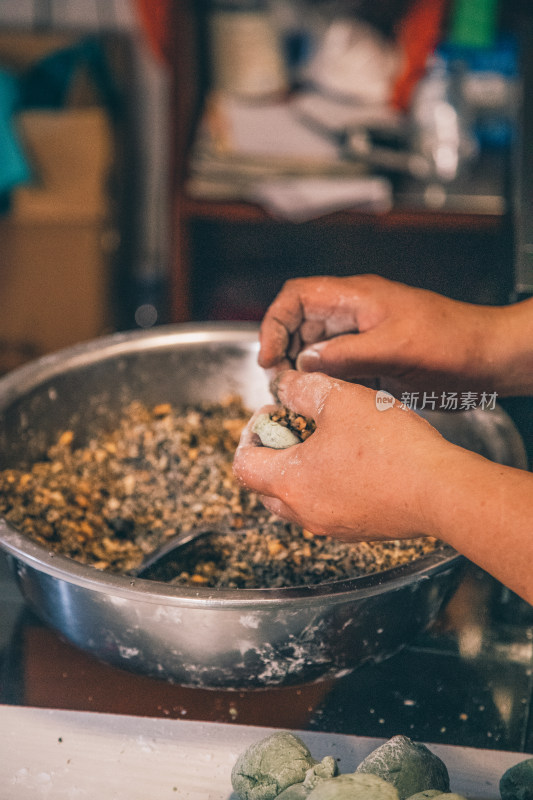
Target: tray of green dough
x=48, y=753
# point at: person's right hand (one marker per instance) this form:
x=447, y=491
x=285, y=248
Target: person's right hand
x=362, y=475
x=368, y=473
x=365, y=327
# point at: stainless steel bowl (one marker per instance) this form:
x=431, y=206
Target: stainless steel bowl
x=202, y=637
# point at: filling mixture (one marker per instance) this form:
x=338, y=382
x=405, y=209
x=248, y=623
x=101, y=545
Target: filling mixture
x=167, y=470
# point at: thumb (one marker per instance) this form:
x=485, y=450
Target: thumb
x=350, y=356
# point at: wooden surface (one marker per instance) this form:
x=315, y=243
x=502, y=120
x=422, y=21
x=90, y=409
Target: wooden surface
x=234, y=212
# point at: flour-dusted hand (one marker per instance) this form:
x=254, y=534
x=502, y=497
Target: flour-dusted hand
x=366, y=327
x=346, y=478
x=368, y=474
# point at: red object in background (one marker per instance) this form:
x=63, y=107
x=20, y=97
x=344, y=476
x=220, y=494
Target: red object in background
x=418, y=34
x=155, y=18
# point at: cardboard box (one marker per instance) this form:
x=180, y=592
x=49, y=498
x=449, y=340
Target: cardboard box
x=71, y=153
x=53, y=285
x=54, y=241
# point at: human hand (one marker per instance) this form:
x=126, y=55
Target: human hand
x=366, y=327
x=363, y=474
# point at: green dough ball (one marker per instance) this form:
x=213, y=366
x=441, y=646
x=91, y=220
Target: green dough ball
x=295, y=792
x=272, y=434
x=355, y=786
x=436, y=794
x=451, y=796
x=408, y=765
x=517, y=782
x=427, y=793
x=327, y=768
x=269, y=766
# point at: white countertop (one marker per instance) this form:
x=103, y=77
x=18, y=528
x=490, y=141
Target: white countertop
x=80, y=755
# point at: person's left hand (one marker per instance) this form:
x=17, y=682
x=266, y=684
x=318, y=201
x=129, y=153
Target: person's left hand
x=363, y=474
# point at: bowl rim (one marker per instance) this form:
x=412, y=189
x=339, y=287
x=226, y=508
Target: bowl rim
x=27, y=553
x=19, y=381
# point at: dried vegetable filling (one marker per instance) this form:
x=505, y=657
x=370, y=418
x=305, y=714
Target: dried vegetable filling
x=166, y=470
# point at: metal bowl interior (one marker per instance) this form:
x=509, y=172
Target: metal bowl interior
x=200, y=637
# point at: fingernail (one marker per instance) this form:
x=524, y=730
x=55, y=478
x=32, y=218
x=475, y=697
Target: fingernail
x=308, y=360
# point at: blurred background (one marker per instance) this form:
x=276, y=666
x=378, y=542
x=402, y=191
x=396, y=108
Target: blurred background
x=169, y=160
